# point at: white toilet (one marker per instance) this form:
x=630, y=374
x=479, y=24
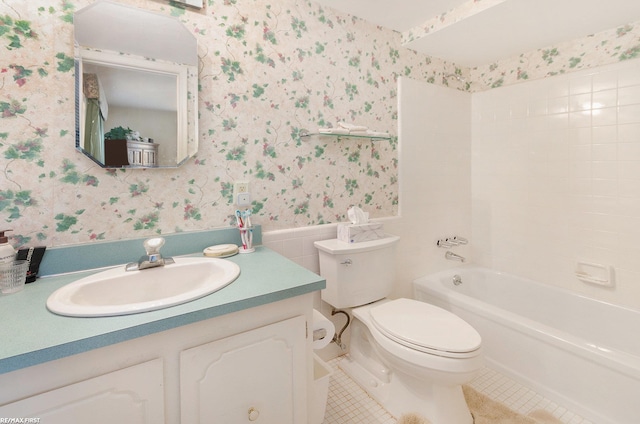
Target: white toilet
x=410, y=356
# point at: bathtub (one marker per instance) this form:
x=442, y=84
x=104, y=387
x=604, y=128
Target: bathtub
x=578, y=352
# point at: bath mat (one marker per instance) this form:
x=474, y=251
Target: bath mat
x=412, y=419
x=488, y=411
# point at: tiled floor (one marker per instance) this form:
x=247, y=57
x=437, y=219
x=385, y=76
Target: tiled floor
x=349, y=404
x=520, y=398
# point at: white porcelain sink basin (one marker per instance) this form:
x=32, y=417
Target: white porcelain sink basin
x=119, y=292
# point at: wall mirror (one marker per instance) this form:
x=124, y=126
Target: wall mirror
x=136, y=87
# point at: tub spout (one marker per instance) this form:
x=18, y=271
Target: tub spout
x=453, y=257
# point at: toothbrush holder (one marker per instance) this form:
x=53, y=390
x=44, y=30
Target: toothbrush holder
x=246, y=236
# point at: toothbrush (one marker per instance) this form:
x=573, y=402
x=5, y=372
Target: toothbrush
x=240, y=224
x=243, y=237
x=239, y=219
x=249, y=226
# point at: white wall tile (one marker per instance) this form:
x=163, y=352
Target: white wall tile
x=629, y=75
x=606, y=98
x=579, y=84
x=604, y=134
x=629, y=114
x=628, y=170
x=605, y=116
x=556, y=87
x=571, y=191
x=628, y=95
x=580, y=102
x=605, y=80
x=628, y=133
x=579, y=136
x=629, y=188
x=580, y=119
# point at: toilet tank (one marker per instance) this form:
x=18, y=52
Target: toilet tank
x=357, y=273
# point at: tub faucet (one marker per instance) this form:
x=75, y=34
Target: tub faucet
x=153, y=258
x=454, y=257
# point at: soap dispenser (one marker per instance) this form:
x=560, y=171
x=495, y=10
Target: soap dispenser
x=7, y=252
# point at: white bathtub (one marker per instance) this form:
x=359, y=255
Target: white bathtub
x=581, y=353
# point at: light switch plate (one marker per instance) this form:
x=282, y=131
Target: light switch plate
x=243, y=199
x=241, y=195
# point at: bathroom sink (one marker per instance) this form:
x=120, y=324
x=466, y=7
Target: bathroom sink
x=119, y=292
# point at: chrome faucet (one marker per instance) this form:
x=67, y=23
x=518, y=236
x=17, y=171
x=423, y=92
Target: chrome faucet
x=153, y=258
x=454, y=257
x=451, y=242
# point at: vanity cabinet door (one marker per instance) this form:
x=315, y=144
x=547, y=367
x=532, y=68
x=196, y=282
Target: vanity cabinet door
x=130, y=395
x=258, y=375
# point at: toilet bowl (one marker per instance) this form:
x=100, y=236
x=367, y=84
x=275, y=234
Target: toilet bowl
x=411, y=356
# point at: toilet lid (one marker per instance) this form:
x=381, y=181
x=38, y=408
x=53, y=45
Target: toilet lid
x=425, y=327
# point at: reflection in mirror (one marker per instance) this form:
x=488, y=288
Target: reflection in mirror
x=194, y=3
x=136, y=102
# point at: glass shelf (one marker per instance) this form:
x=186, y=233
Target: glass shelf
x=370, y=137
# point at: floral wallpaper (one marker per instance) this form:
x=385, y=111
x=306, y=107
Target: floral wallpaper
x=606, y=47
x=269, y=71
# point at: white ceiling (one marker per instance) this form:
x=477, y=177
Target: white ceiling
x=136, y=89
x=123, y=28
x=507, y=29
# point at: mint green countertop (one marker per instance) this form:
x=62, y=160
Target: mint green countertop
x=30, y=334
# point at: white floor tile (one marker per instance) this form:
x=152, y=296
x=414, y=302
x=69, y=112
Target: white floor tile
x=349, y=404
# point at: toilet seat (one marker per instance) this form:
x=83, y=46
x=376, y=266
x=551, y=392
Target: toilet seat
x=425, y=328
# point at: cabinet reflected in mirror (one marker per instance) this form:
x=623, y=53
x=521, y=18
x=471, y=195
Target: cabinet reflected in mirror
x=136, y=87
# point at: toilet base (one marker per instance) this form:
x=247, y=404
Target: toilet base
x=402, y=387
x=439, y=404
x=376, y=388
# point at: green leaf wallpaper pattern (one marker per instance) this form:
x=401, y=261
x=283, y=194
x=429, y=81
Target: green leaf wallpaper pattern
x=270, y=70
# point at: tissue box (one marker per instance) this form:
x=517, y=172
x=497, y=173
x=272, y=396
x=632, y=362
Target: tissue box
x=357, y=233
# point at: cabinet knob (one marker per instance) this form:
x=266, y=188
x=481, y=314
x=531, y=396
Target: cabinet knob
x=253, y=414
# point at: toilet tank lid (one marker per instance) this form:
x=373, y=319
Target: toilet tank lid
x=338, y=247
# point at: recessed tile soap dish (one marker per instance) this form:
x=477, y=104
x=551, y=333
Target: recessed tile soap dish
x=598, y=274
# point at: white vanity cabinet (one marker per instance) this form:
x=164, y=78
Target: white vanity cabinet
x=142, y=153
x=132, y=395
x=258, y=375
x=244, y=366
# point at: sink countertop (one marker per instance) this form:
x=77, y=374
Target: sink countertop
x=30, y=334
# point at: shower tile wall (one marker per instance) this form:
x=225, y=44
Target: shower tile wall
x=435, y=177
x=556, y=178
